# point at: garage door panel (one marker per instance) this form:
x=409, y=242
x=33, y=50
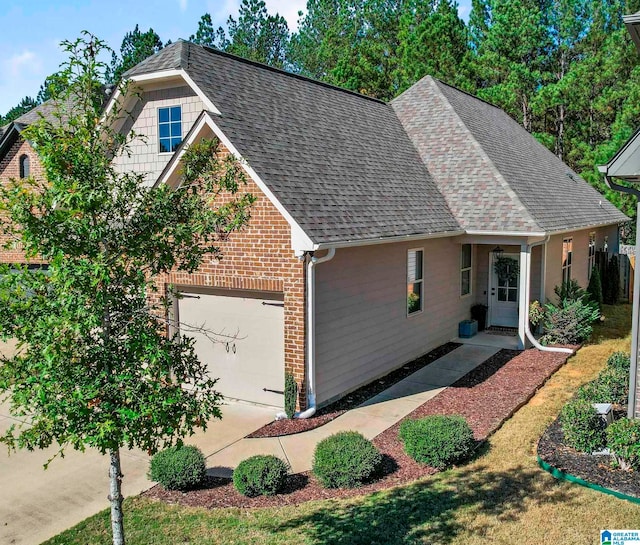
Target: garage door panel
x=248, y=357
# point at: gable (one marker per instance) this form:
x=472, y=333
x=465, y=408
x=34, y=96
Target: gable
x=146, y=157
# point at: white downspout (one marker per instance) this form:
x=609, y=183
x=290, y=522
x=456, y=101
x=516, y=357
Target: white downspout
x=527, y=293
x=311, y=337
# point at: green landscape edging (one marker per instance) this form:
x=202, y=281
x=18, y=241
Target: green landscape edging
x=559, y=474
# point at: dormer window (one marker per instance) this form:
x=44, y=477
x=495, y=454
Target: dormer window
x=24, y=166
x=169, y=128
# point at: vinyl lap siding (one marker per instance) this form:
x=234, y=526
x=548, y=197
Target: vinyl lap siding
x=362, y=327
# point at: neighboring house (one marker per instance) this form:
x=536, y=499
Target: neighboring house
x=376, y=225
x=625, y=165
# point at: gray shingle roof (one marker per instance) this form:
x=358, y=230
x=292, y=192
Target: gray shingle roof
x=492, y=172
x=348, y=167
x=340, y=163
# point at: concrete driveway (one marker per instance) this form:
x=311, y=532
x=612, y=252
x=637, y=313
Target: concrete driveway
x=36, y=504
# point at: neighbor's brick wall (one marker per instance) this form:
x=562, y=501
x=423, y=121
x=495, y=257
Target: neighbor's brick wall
x=10, y=168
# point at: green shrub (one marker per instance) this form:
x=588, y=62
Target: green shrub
x=620, y=361
x=261, y=475
x=438, y=441
x=583, y=428
x=345, y=460
x=593, y=392
x=623, y=438
x=178, y=468
x=614, y=384
x=290, y=395
x=594, y=289
x=569, y=323
x=569, y=291
x=611, y=288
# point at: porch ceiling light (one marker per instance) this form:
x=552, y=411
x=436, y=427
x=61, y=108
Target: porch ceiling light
x=497, y=251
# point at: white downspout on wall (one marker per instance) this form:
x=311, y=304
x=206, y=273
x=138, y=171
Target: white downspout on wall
x=525, y=292
x=311, y=336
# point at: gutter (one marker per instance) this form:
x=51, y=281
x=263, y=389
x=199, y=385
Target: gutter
x=527, y=285
x=311, y=336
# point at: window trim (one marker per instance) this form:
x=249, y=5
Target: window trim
x=158, y=108
x=591, y=253
x=568, y=266
x=465, y=269
x=420, y=281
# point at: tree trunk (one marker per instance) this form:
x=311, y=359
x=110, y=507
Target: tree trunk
x=115, y=497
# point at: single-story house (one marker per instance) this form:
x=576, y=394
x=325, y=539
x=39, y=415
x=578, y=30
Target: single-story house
x=377, y=225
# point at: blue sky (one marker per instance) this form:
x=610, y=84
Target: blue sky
x=32, y=32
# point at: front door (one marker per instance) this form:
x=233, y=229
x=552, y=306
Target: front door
x=504, y=293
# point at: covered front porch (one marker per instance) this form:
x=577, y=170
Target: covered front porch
x=507, y=273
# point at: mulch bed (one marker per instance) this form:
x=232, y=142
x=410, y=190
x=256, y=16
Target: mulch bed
x=278, y=428
x=487, y=396
x=593, y=469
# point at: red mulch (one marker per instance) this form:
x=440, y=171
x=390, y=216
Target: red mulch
x=325, y=415
x=487, y=396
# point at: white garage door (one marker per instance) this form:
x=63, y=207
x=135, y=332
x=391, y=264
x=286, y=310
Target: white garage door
x=248, y=359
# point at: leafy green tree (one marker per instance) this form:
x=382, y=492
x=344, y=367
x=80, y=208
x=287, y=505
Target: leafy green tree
x=511, y=58
x=207, y=34
x=95, y=368
x=350, y=43
x=256, y=35
x=434, y=41
x=135, y=47
x=53, y=85
x=25, y=105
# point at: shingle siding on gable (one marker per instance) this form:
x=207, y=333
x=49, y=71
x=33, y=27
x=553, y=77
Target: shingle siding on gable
x=144, y=150
x=476, y=195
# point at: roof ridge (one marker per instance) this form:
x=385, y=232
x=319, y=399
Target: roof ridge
x=476, y=97
x=269, y=68
x=509, y=191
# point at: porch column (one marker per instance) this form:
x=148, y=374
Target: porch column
x=523, y=294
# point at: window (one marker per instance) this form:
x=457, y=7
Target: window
x=591, y=260
x=567, y=255
x=465, y=270
x=414, y=281
x=24, y=166
x=169, y=128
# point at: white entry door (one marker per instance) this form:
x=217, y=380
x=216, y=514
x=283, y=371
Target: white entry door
x=503, y=295
x=248, y=355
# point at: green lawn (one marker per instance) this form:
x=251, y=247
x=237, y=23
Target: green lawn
x=501, y=497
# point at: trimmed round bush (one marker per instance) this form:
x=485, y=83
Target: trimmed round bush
x=261, y=475
x=178, y=468
x=583, y=428
x=438, y=441
x=345, y=460
x=623, y=438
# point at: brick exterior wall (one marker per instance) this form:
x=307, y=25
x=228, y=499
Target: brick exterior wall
x=260, y=258
x=10, y=168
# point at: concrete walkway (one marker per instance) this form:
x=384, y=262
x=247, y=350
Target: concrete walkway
x=371, y=418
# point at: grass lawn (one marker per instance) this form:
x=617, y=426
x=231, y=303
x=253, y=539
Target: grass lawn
x=500, y=497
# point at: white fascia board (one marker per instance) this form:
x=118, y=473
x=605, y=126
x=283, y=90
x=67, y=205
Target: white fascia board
x=506, y=233
x=162, y=76
x=385, y=240
x=170, y=74
x=300, y=241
